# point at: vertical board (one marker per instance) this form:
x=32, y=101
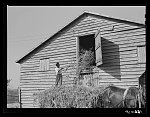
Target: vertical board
x=141, y=54
x=47, y=64
x=98, y=49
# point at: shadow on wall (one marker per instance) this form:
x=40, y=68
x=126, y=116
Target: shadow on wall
x=111, y=58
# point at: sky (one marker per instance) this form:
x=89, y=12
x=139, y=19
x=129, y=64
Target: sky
x=28, y=26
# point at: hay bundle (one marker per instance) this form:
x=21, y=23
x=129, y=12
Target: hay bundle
x=68, y=97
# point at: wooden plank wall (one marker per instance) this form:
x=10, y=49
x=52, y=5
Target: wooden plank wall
x=33, y=80
x=119, y=50
x=120, y=57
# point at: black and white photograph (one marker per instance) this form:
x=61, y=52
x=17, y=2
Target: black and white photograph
x=77, y=57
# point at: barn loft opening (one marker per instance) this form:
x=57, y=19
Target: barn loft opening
x=87, y=43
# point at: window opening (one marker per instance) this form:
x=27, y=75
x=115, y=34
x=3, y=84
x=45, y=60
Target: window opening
x=87, y=57
x=44, y=64
x=141, y=50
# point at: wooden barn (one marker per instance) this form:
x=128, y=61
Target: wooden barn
x=119, y=50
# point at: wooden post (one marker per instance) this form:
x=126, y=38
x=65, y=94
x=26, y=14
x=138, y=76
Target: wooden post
x=139, y=96
x=77, y=58
x=20, y=98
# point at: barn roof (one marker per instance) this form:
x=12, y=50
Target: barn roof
x=85, y=14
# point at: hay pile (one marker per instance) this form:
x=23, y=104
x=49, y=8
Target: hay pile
x=75, y=96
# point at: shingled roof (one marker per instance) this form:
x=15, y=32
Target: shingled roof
x=85, y=14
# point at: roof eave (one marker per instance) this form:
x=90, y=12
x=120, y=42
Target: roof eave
x=115, y=19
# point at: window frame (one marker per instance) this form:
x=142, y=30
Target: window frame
x=44, y=64
x=138, y=54
x=77, y=45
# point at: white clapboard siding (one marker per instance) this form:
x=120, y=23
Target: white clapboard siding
x=140, y=69
x=36, y=80
x=27, y=105
x=122, y=42
x=121, y=57
x=123, y=47
x=130, y=38
x=66, y=53
x=32, y=89
x=95, y=23
x=36, y=83
x=30, y=99
x=60, y=51
x=122, y=73
x=118, y=76
x=103, y=29
x=127, y=33
x=44, y=73
x=42, y=84
x=52, y=62
x=27, y=96
x=44, y=77
x=103, y=26
x=119, y=54
x=123, y=85
x=63, y=40
x=35, y=61
x=123, y=66
x=27, y=93
x=49, y=75
x=120, y=82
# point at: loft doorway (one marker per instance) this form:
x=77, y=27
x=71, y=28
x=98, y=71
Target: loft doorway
x=87, y=42
x=86, y=50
